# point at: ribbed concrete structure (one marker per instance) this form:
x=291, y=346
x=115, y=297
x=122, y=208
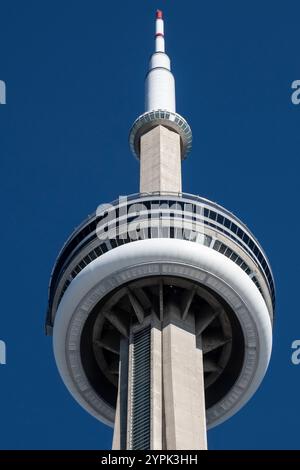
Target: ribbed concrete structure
x=161, y=303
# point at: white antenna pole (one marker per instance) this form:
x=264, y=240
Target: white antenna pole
x=159, y=32
x=160, y=84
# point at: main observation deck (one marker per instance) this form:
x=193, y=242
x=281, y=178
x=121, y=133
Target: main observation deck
x=143, y=216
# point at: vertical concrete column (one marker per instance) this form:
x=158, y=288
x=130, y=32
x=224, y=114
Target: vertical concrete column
x=200, y=419
x=183, y=384
x=176, y=399
x=156, y=398
x=120, y=428
x=160, y=160
x=116, y=443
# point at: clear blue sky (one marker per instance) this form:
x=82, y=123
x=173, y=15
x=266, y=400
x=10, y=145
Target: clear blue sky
x=74, y=72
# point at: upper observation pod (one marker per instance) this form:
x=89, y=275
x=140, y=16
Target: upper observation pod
x=160, y=101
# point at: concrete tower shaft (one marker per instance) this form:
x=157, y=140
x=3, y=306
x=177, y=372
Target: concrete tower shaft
x=161, y=404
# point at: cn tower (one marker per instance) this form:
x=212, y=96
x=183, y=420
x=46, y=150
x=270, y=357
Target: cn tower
x=161, y=303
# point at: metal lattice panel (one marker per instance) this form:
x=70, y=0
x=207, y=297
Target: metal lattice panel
x=140, y=395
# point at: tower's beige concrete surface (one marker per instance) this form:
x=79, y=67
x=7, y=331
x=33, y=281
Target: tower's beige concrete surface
x=156, y=398
x=120, y=428
x=177, y=402
x=116, y=442
x=183, y=387
x=160, y=161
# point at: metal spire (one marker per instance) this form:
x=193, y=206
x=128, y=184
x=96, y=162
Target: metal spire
x=159, y=32
x=160, y=84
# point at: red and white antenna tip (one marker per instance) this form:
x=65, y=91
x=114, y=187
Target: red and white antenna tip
x=159, y=32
